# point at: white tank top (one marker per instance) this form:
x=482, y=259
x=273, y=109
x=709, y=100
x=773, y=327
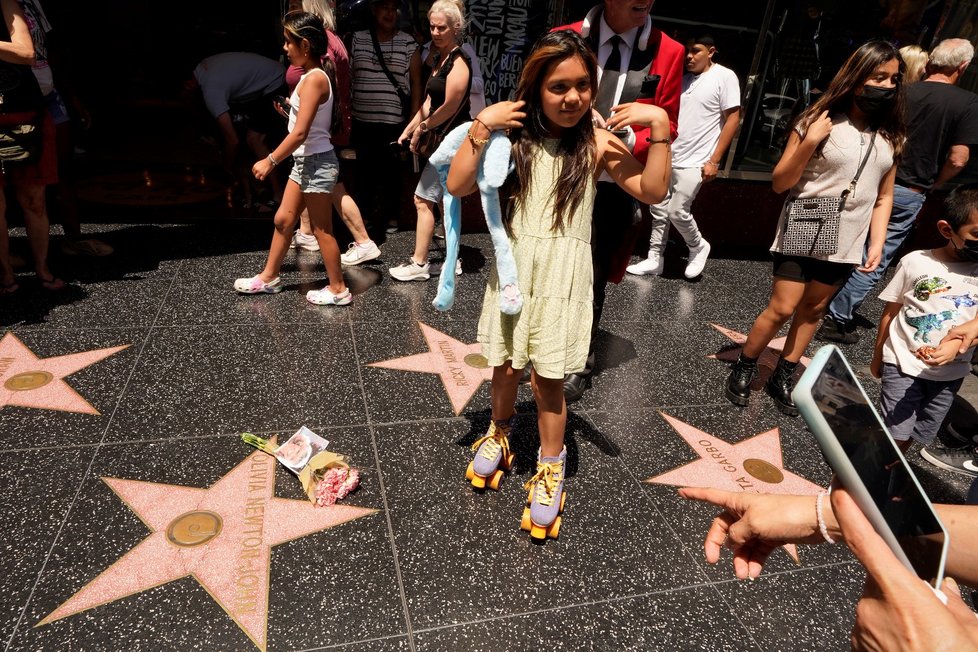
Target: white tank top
x=318, y=139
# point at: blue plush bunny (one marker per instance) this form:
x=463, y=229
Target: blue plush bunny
x=494, y=167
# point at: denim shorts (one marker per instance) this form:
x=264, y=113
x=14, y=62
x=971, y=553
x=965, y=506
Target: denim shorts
x=316, y=172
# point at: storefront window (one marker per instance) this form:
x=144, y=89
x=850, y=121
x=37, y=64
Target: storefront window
x=785, y=52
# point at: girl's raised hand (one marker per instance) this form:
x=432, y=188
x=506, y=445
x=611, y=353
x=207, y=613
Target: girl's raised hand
x=503, y=115
x=637, y=113
x=819, y=129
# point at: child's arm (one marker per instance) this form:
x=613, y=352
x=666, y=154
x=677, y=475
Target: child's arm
x=892, y=310
x=965, y=334
x=798, y=152
x=314, y=91
x=938, y=356
x=957, y=341
x=879, y=221
x=648, y=184
x=465, y=165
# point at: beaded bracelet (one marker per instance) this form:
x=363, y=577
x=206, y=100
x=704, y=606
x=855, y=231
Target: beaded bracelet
x=660, y=141
x=821, y=518
x=476, y=142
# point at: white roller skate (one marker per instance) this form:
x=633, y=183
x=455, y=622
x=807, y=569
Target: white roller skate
x=541, y=517
x=492, y=456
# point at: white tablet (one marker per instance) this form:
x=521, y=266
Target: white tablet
x=869, y=465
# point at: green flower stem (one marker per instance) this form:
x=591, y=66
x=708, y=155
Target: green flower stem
x=261, y=444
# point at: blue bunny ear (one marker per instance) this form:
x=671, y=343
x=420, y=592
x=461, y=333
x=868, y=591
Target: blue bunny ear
x=442, y=157
x=495, y=164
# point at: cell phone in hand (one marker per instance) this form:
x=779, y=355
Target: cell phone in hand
x=868, y=463
x=282, y=103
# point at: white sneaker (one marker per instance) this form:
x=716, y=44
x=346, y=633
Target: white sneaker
x=697, y=259
x=304, y=241
x=358, y=253
x=651, y=266
x=410, y=271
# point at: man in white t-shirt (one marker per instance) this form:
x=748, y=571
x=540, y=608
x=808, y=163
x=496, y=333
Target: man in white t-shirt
x=709, y=112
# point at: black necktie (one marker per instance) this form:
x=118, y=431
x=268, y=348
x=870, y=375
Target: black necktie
x=608, y=87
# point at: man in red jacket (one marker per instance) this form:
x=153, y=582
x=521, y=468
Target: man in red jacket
x=632, y=56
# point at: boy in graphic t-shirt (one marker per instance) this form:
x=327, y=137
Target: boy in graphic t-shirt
x=931, y=292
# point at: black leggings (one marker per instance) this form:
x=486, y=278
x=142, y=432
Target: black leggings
x=379, y=171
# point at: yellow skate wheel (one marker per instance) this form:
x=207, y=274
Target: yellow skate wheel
x=469, y=471
x=563, y=499
x=538, y=533
x=506, y=463
x=554, y=530
x=478, y=481
x=526, y=523
x=496, y=478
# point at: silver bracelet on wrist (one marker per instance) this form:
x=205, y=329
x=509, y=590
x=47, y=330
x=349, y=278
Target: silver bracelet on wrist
x=271, y=159
x=821, y=517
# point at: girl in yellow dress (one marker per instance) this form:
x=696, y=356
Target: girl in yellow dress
x=558, y=156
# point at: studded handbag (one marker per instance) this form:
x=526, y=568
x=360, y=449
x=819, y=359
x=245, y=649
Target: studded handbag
x=21, y=104
x=811, y=227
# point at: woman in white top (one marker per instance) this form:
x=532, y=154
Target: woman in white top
x=315, y=167
x=860, y=116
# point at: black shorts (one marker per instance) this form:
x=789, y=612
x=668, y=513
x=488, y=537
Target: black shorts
x=804, y=269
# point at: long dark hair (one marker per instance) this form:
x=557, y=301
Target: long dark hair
x=576, y=149
x=302, y=25
x=838, y=97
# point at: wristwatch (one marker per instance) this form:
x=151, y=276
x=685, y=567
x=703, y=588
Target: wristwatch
x=423, y=127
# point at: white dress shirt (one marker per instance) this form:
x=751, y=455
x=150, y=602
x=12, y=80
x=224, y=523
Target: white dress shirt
x=604, y=51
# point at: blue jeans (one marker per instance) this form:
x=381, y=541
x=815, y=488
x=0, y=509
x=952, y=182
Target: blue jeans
x=906, y=205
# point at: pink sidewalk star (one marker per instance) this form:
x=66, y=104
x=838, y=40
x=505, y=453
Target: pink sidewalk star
x=221, y=536
x=461, y=366
x=29, y=381
x=754, y=465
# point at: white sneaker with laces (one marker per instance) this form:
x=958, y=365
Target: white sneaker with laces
x=651, y=266
x=360, y=253
x=411, y=271
x=697, y=259
x=306, y=242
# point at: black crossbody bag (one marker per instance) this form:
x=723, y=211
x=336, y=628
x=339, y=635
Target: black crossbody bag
x=811, y=227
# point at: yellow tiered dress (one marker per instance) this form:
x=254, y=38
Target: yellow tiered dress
x=553, y=330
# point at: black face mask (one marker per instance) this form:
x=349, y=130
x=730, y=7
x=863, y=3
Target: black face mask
x=875, y=99
x=969, y=251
